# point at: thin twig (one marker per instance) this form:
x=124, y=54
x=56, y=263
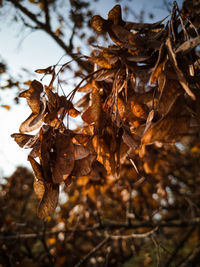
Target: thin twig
x=158, y=250
x=133, y=235
x=46, y=10
x=111, y=226
x=95, y=249
x=193, y=258
x=46, y=28
x=179, y=246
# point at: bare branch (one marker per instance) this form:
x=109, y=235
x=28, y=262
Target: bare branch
x=179, y=246
x=95, y=249
x=44, y=27
x=133, y=235
x=108, y=225
x=193, y=259
x=72, y=36
x=46, y=10
x=26, y=12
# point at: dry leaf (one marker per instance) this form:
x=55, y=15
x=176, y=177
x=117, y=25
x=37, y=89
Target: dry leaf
x=32, y=96
x=34, y=121
x=129, y=140
x=6, y=107
x=115, y=15
x=22, y=139
x=80, y=152
x=83, y=102
x=169, y=128
x=88, y=115
x=139, y=110
x=49, y=200
x=38, y=188
x=180, y=74
x=47, y=140
x=37, y=168
x=98, y=23
x=85, y=88
x=64, y=157
x=160, y=64
x=73, y=112
x=188, y=45
x=83, y=166
x=47, y=70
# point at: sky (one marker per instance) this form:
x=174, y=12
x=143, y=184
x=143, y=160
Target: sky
x=33, y=51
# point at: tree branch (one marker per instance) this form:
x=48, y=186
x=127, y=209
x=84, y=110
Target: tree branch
x=44, y=27
x=133, y=235
x=47, y=17
x=106, y=225
x=193, y=259
x=99, y=246
x=179, y=246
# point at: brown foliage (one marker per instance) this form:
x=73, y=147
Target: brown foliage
x=140, y=116
x=124, y=111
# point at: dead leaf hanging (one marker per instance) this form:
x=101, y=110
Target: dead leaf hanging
x=38, y=188
x=64, y=157
x=169, y=128
x=49, y=200
x=32, y=95
x=180, y=74
x=22, y=139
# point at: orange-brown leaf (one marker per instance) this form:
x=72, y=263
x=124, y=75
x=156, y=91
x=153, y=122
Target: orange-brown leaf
x=33, y=122
x=39, y=189
x=139, y=110
x=83, y=166
x=115, y=15
x=73, y=112
x=85, y=88
x=64, y=161
x=80, y=152
x=6, y=107
x=32, y=96
x=170, y=127
x=47, y=141
x=49, y=200
x=88, y=115
x=37, y=168
x=129, y=140
x=47, y=70
x=97, y=23
x=96, y=106
x=21, y=139
x=156, y=72
x=160, y=64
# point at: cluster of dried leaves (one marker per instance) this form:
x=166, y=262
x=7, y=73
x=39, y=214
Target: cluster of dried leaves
x=142, y=97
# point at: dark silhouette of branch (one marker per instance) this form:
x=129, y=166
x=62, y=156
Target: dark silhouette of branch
x=193, y=259
x=46, y=27
x=108, y=225
x=95, y=249
x=158, y=254
x=47, y=250
x=46, y=10
x=179, y=246
x=71, y=37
